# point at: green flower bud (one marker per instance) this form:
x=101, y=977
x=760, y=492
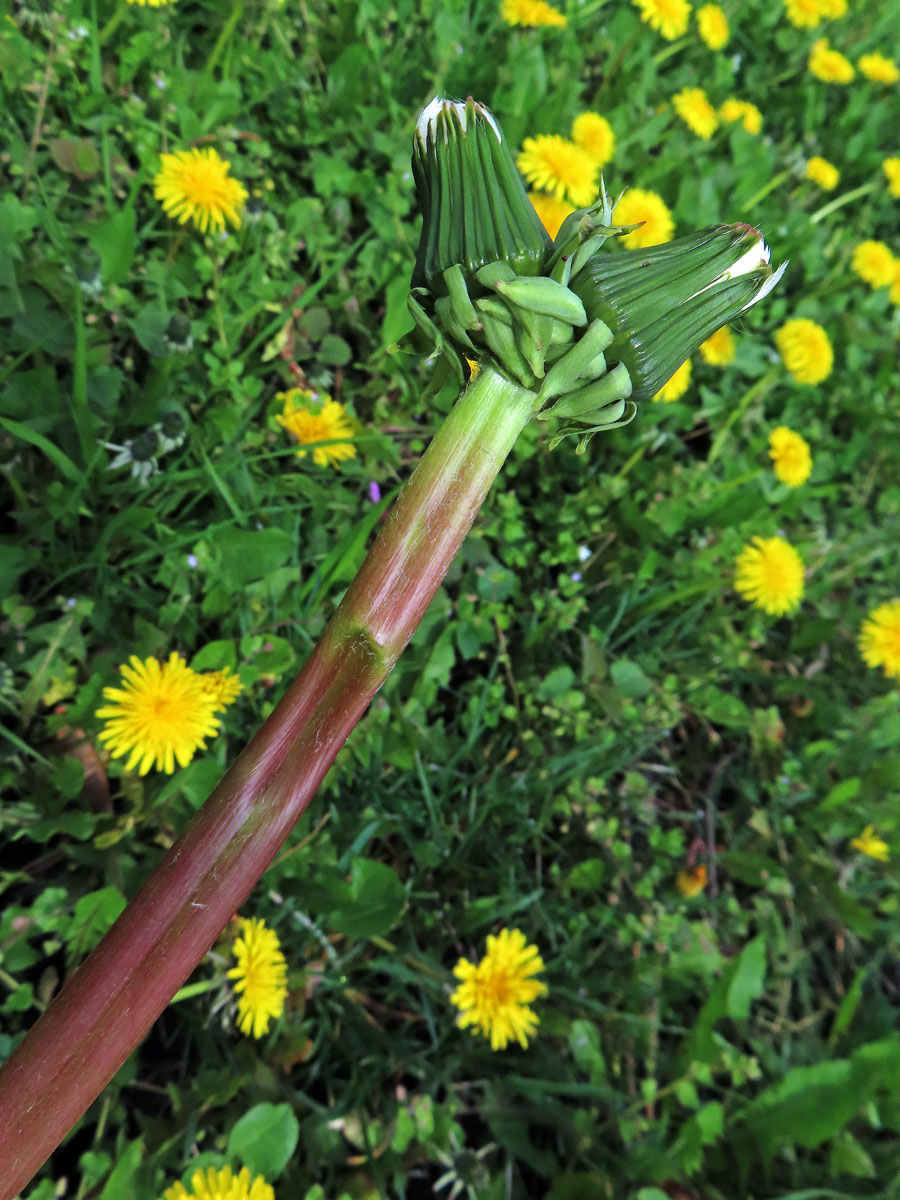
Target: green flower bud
x=662, y=302
x=474, y=206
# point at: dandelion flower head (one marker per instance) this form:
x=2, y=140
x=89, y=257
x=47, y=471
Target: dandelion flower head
x=668, y=17
x=638, y=205
x=551, y=210
x=594, y=135
x=874, y=263
x=677, y=385
x=560, y=167
x=790, y=456
x=713, y=26
x=152, y=3
x=878, y=68
x=691, y=881
x=804, y=14
x=494, y=994
x=833, y=10
x=823, y=173
x=870, y=844
x=741, y=110
x=531, y=12
x=829, y=65
x=805, y=350
x=895, y=289
x=879, y=638
x=891, y=168
x=224, y=687
x=718, y=349
x=194, y=185
x=769, y=573
x=313, y=419
x=695, y=110
x=161, y=714
x=260, y=977
x=221, y=1185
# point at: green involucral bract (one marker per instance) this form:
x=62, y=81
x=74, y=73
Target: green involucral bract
x=588, y=331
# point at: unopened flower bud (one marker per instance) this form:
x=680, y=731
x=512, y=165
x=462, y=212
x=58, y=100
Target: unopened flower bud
x=663, y=301
x=474, y=206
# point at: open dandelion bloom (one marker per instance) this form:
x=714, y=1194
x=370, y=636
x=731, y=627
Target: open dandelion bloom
x=718, y=349
x=152, y=3
x=874, y=263
x=878, y=68
x=790, y=456
x=804, y=14
x=161, y=714
x=769, y=573
x=823, y=173
x=221, y=1185
x=494, y=995
x=879, y=638
x=314, y=419
x=223, y=686
x=891, y=168
x=691, y=881
x=551, y=210
x=833, y=10
x=870, y=844
x=677, y=385
x=560, y=167
x=713, y=26
x=638, y=205
x=194, y=185
x=260, y=977
x=695, y=110
x=669, y=17
x=805, y=350
x=748, y=114
x=829, y=65
x=594, y=135
x=531, y=12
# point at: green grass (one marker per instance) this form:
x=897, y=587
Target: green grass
x=565, y=732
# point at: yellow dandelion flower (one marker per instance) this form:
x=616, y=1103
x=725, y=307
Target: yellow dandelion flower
x=531, y=12
x=668, y=17
x=870, y=844
x=313, y=419
x=194, y=185
x=829, y=65
x=803, y=14
x=823, y=173
x=790, y=456
x=874, y=263
x=891, y=168
x=638, y=205
x=769, y=573
x=695, y=110
x=223, y=686
x=159, y=716
x=152, y=3
x=878, y=68
x=551, y=210
x=691, y=881
x=260, y=976
x=805, y=350
x=494, y=994
x=594, y=135
x=221, y=1185
x=677, y=385
x=713, y=26
x=833, y=10
x=748, y=114
x=560, y=167
x=879, y=638
x=718, y=349
x=895, y=290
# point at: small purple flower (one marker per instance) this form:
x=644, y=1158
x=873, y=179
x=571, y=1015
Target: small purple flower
x=193, y=561
x=575, y=577
x=374, y=492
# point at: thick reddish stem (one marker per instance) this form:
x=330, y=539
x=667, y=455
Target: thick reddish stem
x=114, y=997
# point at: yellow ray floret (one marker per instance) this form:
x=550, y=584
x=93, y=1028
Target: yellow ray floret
x=879, y=638
x=260, y=977
x=790, y=455
x=805, y=350
x=769, y=573
x=493, y=995
x=222, y=1184
x=194, y=185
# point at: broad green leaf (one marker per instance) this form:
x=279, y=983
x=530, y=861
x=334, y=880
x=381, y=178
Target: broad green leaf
x=264, y=1139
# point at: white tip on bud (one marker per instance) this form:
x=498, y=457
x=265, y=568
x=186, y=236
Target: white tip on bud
x=426, y=125
x=751, y=260
x=767, y=286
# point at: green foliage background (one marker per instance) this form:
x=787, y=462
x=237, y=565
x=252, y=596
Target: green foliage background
x=568, y=728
